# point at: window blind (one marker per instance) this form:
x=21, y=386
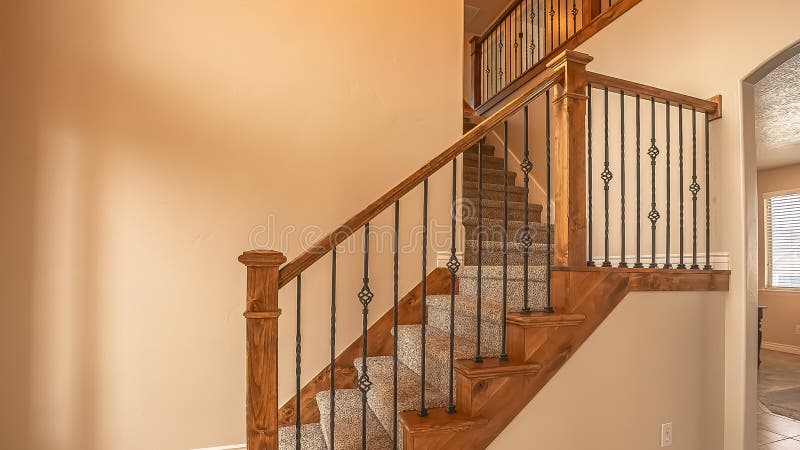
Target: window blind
x=782, y=233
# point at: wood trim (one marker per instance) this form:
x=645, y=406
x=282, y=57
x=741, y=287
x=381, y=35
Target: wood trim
x=379, y=341
x=336, y=237
x=661, y=95
x=586, y=32
x=262, y=347
x=717, y=114
x=477, y=54
x=591, y=9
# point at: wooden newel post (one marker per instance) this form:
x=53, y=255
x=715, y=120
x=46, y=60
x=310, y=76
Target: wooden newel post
x=569, y=106
x=262, y=347
x=476, y=71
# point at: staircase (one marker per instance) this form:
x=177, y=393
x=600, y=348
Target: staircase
x=458, y=357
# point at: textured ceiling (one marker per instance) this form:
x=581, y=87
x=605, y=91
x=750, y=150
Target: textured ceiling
x=479, y=14
x=777, y=101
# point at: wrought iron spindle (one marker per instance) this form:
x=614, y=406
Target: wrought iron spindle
x=574, y=17
x=590, y=169
x=423, y=410
x=681, y=262
x=396, y=304
x=622, y=262
x=478, y=357
x=298, y=348
x=500, y=56
x=548, y=309
x=667, y=263
x=552, y=26
x=539, y=31
x=638, y=264
x=694, y=188
x=453, y=265
x=708, y=200
x=503, y=354
x=607, y=176
x=558, y=13
x=365, y=296
x=526, y=167
x=653, y=215
x=332, y=369
x=520, y=38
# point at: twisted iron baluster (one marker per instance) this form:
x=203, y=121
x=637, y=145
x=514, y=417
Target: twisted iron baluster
x=526, y=167
x=396, y=304
x=694, y=188
x=590, y=169
x=708, y=200
x=297, y=361
x=638, y=263
x=548, y=309
x=539, y=31
x=574, y=17
x=365, y=296
x=453, y=265
x=607, y=176
x=653, y=215
x=552, y=26
x=423, y=410
x=622, y=262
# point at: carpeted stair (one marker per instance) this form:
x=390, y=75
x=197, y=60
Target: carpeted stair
x=380, y=397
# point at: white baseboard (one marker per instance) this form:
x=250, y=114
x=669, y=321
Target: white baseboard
x=225, y=447
x=719, y=261
x=793, y=349
x=443, y=257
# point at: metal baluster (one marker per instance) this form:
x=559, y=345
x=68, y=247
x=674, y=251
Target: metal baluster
x=478, y=357
x=590, y=169
x=423, y=410
x=622, y=262
x=520, y=36
x=574, y=17
x=559, y=21
x=365, y=296
x=681, y=262
x=607, y=176
x=667, y=264
x=653, y=215
x=298, y=348
x=539, y=30
x=708, y=200
x=638, y=263
x=396, y=304
x=526, y=167
x=503, y=354
x=332, y=369
x=694, y=188
x=453, y=265
x=500, y=56
x=548, y=308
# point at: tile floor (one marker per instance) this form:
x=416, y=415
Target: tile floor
x=777, y=432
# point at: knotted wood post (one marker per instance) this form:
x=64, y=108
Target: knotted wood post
x=569, y=106
x=262, y=314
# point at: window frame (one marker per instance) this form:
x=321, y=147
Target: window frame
x=765, y=197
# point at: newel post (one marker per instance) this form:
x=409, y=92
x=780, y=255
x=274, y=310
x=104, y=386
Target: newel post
x=262, y=314
x=569, y=106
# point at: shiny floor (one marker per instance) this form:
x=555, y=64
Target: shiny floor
x=778, y=371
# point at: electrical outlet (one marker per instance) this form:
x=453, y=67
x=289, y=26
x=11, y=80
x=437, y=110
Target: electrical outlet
x=666, y=434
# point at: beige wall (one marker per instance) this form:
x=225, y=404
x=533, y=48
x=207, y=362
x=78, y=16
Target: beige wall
x=634, y=373
x=142, y=144
x=690, y=57
x=783, y=312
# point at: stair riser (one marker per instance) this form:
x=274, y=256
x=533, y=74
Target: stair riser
x=487, y=150
x=497, y=233
x=489, y=176
x=498, y=213
x=489, y=162
x=472, y=194
x=495, y=258
x=492, y=288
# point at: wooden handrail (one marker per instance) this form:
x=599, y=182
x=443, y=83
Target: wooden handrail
x=660, y=95
x=336, y=237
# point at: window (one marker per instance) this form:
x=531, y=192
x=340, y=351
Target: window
x=782, y=236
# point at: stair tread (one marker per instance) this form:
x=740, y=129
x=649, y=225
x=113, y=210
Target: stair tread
x=495, y=367
x=514, y=272
x=544, y=320
x=348, y=422
x=473, y=186
x=514, y=247
x=516, y=206
x=381, y=394
x=311, y=437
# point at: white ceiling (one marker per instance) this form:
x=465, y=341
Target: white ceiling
x=479, y=14
x=777, y=101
